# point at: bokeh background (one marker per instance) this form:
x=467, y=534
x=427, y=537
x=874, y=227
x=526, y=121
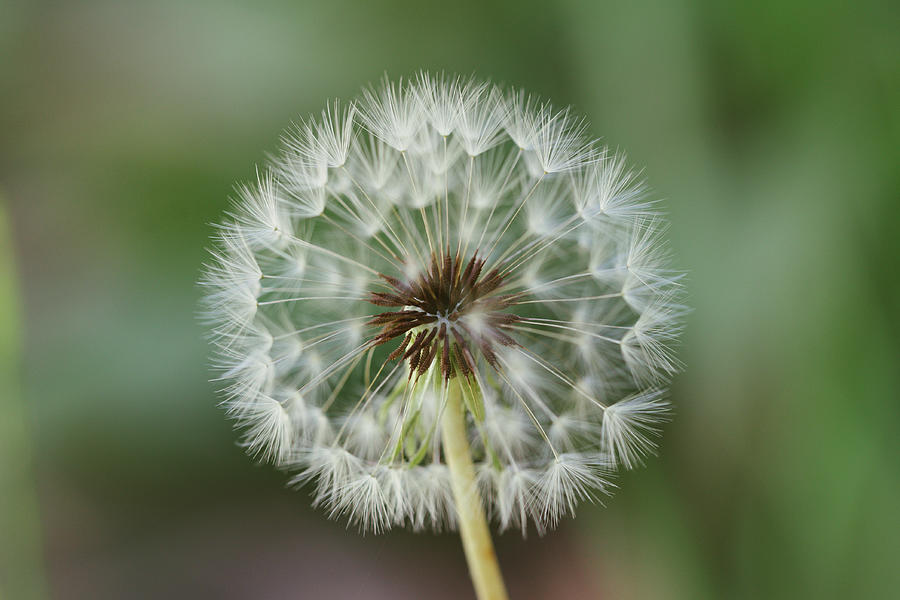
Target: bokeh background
x=771, y=129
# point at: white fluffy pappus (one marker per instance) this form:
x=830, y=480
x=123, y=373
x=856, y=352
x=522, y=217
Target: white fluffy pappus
x=444, y=231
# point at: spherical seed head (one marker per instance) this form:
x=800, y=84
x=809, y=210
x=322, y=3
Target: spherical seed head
x=441, y=231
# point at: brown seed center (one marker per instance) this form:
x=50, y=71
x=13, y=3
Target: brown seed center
x=448, y=309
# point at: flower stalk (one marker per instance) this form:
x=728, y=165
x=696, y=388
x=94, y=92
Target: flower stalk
x=473, y=528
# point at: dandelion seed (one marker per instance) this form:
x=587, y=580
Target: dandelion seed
x=268, y=429
x=629, y=425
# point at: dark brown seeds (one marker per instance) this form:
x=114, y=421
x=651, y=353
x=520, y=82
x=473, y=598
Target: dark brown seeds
x=444, y=293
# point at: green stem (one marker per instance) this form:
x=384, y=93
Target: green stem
x=473, y=527
x=20, y=544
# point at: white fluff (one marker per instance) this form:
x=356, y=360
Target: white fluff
x=268, y=430
x=515, y=497
x=356, y=202
x=568, y=479
x=629, y=424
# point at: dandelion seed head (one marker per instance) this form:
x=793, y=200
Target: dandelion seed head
x=443, y=231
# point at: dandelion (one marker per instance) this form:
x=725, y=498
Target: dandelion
x=441, y=305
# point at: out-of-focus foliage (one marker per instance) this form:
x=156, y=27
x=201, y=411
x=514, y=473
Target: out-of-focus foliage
x=771, y=130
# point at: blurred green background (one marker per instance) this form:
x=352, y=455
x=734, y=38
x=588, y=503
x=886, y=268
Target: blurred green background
x=771, y=129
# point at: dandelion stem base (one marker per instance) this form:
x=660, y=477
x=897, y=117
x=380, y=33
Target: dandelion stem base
x=473, y=527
